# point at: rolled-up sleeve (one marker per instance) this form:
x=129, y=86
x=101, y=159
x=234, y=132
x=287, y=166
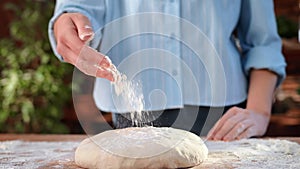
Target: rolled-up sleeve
x=259, y=40
x=93, y=9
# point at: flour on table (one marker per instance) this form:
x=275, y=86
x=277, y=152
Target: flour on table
x=244, y=154
x=20, y=154
x=252, y=153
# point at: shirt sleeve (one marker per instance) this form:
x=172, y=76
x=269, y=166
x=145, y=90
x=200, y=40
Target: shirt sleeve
x=93, y=9
x=259, y=40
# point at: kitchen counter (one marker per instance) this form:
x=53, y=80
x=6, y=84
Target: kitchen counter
x=57, y=151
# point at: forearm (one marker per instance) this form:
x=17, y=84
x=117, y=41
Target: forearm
x=261, y=91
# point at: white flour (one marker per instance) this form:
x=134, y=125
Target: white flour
x=20, y=154
x=253, y=153
x=130, y=96
x=248, y=153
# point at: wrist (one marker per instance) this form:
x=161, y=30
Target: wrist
x=266, y=111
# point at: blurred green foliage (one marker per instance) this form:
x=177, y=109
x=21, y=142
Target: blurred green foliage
x=287, y=28
x=34, y=85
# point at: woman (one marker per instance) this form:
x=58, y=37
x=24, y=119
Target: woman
x=195, y=59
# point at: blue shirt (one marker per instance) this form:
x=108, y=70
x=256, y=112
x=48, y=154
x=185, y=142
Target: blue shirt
x=196, y=52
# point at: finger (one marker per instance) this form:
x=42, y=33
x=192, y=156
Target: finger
x=247, y=133
x=94, y=63
x=228, y=125
x=92, y=69
x=84, y=28
x=67, y=54
x=103, y=73
x=231, y=112
x=93, y=57
x=66, y=33
x=105, y=62
x=213, y=130
x=87, y=34
x=238, y=129
x=72, y=41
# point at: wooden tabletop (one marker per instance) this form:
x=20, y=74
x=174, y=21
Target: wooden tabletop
x=35, y=146
x=42, y=137
x=74, y=137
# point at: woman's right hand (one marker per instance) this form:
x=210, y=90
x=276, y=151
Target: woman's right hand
x=72, y=31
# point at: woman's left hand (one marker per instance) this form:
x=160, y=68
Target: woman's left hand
x=239, y=123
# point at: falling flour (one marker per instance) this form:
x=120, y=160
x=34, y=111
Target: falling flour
x=130, y=94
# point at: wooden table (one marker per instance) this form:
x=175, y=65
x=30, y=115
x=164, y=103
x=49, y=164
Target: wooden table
x=74, y=137
x=42, y=137
x=39, y=139
x=61, y=139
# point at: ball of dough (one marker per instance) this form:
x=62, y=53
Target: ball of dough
x=141, y=147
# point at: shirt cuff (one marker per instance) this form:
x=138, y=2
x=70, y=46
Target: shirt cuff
x=265, y=58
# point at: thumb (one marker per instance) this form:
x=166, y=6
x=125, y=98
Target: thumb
x=86, y=34
x=84, y=28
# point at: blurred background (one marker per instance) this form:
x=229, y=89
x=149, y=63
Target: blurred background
x=35, y=88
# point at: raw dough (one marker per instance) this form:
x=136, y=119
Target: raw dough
x=141, y=147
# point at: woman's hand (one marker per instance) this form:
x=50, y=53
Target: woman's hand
x=72, y=31
x=239, y=123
